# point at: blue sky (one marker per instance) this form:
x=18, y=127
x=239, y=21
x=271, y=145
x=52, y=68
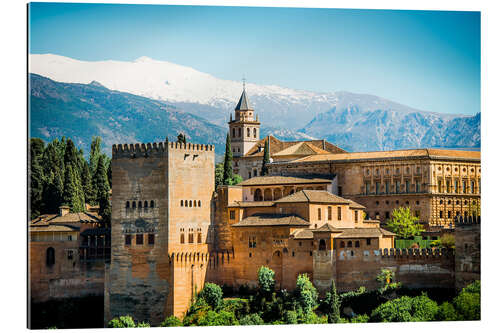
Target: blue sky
x=428, y=60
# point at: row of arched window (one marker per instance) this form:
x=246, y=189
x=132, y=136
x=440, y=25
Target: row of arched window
x=190, y=203
x=191, y=236
x=140, y=204
x=248, y=132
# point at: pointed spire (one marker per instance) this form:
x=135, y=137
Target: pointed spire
x=243, y=104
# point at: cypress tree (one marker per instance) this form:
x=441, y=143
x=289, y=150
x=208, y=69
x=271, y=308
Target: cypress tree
x=95, y=152
x=333, y=302
x=266, y=158
x=72, y=196
x=228, y=163
x=109, y=174
x=102, y=188
x=88, y=186
x=36, y=188
x=71, y=155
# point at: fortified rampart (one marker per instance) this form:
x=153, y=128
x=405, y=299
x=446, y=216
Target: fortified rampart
x=468, y=250
x=414, y=268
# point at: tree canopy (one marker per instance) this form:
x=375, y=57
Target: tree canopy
x=404, y=224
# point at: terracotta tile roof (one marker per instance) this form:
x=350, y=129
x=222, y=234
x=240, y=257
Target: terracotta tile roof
x=302, y=148
x=393, y=154
x=328, y=227
x=52, y=228
x=277, y=146
x=68, y=218
x=278, y=180
x=355, y=205
x=302, y=234
x=264, y=220
x=251, y=204
x=314, y=196
x=363, y=232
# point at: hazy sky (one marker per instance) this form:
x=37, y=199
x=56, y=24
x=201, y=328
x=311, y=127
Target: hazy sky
x=429, y=60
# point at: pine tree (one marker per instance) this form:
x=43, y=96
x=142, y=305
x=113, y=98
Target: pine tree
x=228, y=163
x=102, y=187
x=266, y=159
x=333, y=302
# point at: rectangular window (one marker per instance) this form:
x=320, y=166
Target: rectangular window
x=448, y=186
x=368, y=241
x=255, y=173
x=386, y=215
x=440, y=186
x=319, y=214
x=472, y=186
x=128, y=239
x=329, y=213
x=464, y=186
x=231, y=215
x=456, y=186
x=356, y=216
x=407, y=186
x=449, y=214
x=191, y=237
x=398, y=184
x=387, y=187
x=440, y=214
x=417, y=213
x=417, y=186
x=199, y=238
x=70, y=237
x=139, y=239
x=151, y=239
x=339, y=213
x=252, y=242
x=377, y=187
x=367, y=188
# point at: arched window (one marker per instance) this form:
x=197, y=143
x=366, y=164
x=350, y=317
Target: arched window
x=127, y=205
x=140, y=204
x=194, y=203
x=254, y=132
x=185, y=203
x=50, y=256
x=257, y=196
x=190, y=203
x=342, y=244
x=182, y=238
x=322, y=245
x=145, y=204
x=349, y=244
x=133, y=205
x=182, y=203
x=152, y=204
x=356, y=244
x=191, y=236
x=199, y=203
x=248, y=132
x=199, y=236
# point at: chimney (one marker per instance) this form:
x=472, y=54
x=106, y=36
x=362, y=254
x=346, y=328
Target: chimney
x=63, y=210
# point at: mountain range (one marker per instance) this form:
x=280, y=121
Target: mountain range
x=184, y=99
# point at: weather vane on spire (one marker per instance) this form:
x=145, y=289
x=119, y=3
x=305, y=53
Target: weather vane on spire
x=244, y=80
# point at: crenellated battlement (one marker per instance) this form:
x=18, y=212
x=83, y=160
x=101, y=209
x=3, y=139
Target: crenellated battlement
x=356, y=254
x=417, y=253
x=156, y=149
x=212, y=259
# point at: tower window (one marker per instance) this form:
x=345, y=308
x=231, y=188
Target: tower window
x=133, y=205
x=254, y=132
x=199, y=203
x=145, y=204
x=139, y=239
x=140, y=204
x=182, y=203
x=152, y=204
x=248, y=132
x=127, y=205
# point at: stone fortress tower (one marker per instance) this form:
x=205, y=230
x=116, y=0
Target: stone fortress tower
x=244, y=130
x=162, y=194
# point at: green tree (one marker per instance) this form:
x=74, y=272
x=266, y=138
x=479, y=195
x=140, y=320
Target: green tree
x=251, y=319
x=266, y=159
x=306, y=294
x=109, y=173
x=468, y=302
x=181, y=138
x=95, y=153
x=333, y=302
x=266, y=280
x=36, y=177
x=71, y=195
x=171, y=322
x=88, y=186
x=212, y=295
x=446, y=312
x=403, y=223
x=236, y=179
x=291, y=317
x=102, y=187
x=222, y=318
x=404, y=309
x=228, y=163
x=219, y=174
x=385, y=277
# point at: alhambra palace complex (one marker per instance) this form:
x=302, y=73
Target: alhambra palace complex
x=320, y=211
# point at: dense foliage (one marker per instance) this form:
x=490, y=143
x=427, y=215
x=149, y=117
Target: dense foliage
x=212, y=295
x=125, y=322
x=60, y=175
x=403, y=223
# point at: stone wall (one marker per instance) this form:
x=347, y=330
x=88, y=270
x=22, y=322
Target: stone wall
x=468, y=253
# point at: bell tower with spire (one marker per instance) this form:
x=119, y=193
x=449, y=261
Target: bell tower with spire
x=244, y=129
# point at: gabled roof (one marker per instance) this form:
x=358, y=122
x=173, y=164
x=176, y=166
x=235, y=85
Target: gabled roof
x=243, y=104
x=277, y=146
x=266, y=220
x=65, y=219
x=302, y=148
x=302, y=234
x=313, y=196
x=363, y=232
x=355, y=205
x=328, y=227
x=275, y=180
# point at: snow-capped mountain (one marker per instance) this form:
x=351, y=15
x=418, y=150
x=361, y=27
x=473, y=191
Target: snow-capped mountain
x=355, y=122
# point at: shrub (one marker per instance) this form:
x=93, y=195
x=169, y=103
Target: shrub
x=252, y=319
x=266, y=280
x=171, y=322
x=305, y=293
x=446, y=312
x=420, y=308
x=240, y=307
x=121, y=322
x=143, y=324
x=212, y=294
x=222, y=318
x=290, y=317
x=468, y=306
x=313, y=318
x=360, y=319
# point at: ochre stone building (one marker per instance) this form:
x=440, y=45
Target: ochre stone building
x=318, y=212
